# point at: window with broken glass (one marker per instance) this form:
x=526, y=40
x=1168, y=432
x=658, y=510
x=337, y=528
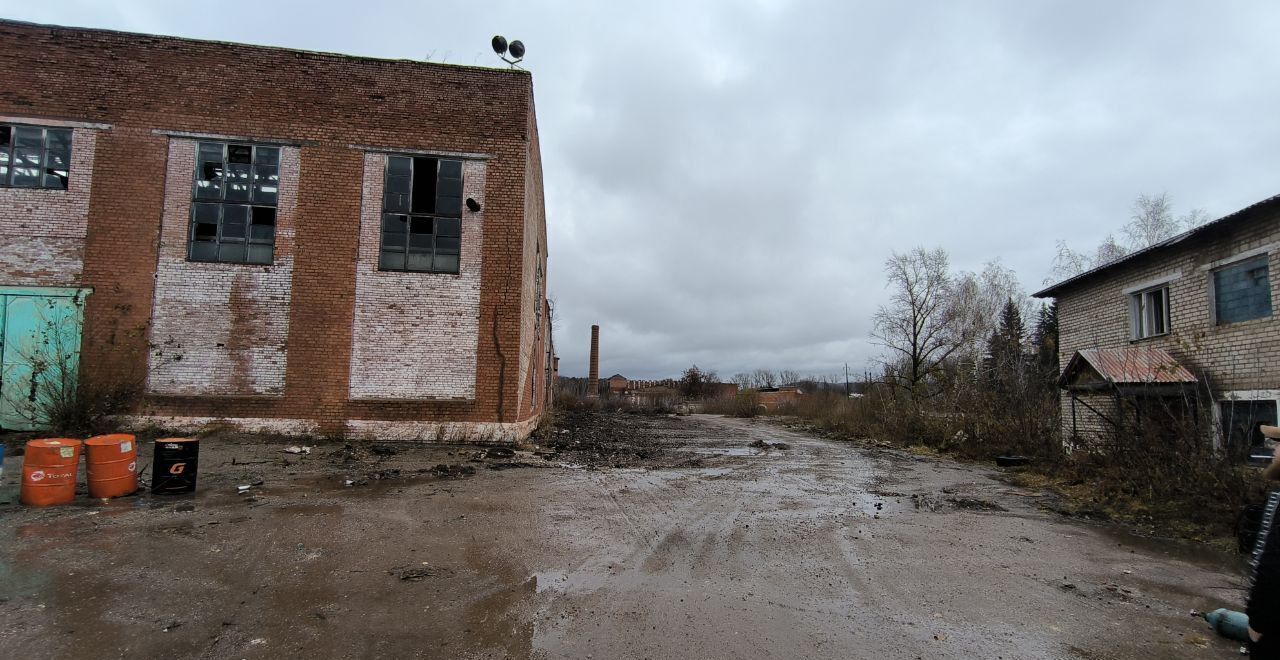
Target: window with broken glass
x=421, y=215
x=34, y=157
x=233, y=212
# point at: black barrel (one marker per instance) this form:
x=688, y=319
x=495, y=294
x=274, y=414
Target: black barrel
x=174, y=469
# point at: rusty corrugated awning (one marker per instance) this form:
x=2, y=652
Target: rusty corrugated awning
x=1123, y=366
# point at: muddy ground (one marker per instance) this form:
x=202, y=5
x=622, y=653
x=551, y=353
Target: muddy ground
x=623, y=536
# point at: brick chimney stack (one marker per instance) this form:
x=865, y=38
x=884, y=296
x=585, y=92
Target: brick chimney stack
x=593, y=377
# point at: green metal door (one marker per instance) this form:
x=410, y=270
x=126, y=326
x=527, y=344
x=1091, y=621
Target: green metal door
x=39, y=353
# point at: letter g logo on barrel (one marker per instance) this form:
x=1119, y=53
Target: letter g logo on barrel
x=177, y=468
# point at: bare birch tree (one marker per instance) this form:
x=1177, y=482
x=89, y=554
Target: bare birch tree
x=976, y=300
x=1108, y=251
x=919, y=325
x=1152, y=221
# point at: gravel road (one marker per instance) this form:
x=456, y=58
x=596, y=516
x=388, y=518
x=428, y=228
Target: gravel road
x=704, y=547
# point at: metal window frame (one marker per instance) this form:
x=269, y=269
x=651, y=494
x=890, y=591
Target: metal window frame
x=7, y=180
x=222, y=204
x=1262, y=254
x=413, y=173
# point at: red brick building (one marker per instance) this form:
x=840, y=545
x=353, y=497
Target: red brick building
x=277, y=239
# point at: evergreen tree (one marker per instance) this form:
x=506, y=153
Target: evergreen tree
x=1046, y=340
x=1004, y=349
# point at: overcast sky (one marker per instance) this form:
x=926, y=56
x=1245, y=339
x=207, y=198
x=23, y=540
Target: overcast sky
x=725, y=179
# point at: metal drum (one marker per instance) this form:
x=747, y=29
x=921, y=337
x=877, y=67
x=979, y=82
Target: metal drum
x=175, y=465
x=111, y=462
x=49, y=471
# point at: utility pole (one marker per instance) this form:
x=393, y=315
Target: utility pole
x=846, y=380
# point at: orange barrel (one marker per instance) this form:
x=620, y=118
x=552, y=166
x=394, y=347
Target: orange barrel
x=49, y=471
x=112, y=464
x=174, y=466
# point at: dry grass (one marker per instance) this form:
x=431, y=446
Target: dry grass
x=1173, y=485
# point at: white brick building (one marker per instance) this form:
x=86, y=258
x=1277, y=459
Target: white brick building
x=1205, y=299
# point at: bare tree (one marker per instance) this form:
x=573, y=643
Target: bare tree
x=977, y=299
x=764, y=378
x=1194, y=218
x=788, y=377
x=1067, y=263
x=919, y=325
x=1152, y=221
x=1108, y=251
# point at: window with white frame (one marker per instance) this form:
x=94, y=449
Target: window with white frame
x=1149, y=312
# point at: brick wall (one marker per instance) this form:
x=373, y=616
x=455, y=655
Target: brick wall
x=156, y=93
x=416, y=335
x=1242, y=356
x=218, y=328
x=42, y=232
x=534, y=251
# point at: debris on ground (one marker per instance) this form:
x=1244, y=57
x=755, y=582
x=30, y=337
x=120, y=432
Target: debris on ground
x=452, y=471
x=418, y=573
x=927, y=502
x=499, y=452
x=975, y=504
x=1008, y=460
x=761, y=444
x=383, y=451
x=601, y=439
x=297, y=449
x=350, y=453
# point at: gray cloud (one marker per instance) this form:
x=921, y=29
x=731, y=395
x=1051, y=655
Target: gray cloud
x=724, y=180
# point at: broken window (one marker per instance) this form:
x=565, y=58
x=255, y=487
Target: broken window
x=537, y=300
x=1242, y=291
x=1149, y=312
x=421, y=215
x=1241, y=422
x=34, y=157
x=233, y=214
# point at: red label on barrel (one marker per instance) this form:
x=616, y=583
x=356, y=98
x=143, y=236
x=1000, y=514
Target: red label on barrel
x=177, y=468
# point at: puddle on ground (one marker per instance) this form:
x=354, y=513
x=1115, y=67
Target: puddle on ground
x=727, y=451
x=576, y=582
x=1188, y=551
x=21, y=583
x=309, y=510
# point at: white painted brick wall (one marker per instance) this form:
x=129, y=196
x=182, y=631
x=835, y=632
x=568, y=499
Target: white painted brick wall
x=219, y=329
x=42, y=232
x=416, y=334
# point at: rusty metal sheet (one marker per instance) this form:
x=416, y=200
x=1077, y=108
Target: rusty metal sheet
x=1126, y=366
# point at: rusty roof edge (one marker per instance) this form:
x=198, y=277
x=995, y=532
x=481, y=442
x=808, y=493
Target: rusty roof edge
x=1118, y=366
x=1052, y=290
